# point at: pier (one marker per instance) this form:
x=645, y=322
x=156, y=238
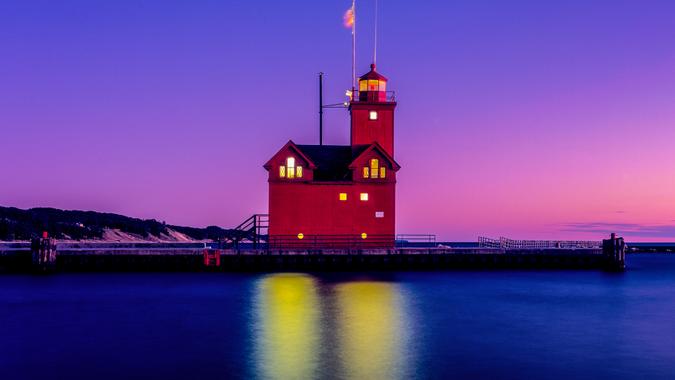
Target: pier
x=104, y=257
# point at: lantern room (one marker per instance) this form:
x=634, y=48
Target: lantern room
x=372, y=87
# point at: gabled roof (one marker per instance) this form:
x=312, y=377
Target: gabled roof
x=332, y=162
x=377, y=147
x=290, y=145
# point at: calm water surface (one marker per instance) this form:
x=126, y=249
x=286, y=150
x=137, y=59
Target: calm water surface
x=480, y=324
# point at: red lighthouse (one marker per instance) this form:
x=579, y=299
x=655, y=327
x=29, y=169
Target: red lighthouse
x=335, y=195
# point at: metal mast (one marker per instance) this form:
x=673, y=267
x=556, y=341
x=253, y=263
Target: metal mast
x=321, y=108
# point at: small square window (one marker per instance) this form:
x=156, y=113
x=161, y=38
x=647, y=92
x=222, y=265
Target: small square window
x=372, y=115
x=364, y=196
x=379, y=214
x=343, y=196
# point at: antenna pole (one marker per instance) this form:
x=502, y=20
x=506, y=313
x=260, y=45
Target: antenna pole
x=354, y=46
x=321, y=108
x=375, y=44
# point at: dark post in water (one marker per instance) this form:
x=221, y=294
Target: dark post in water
x=44, y=253
x=614, y=250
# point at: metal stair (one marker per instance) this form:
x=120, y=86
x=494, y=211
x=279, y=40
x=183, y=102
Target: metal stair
x=253, y=230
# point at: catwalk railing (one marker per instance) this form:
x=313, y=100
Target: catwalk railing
x=505, y=243
x=330, y=241
x=369, y=96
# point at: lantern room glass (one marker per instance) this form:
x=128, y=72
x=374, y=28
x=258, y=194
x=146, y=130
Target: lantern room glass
x=372, y=85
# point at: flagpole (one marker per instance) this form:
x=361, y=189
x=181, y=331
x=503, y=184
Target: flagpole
x=375, y=44
x=353, y=46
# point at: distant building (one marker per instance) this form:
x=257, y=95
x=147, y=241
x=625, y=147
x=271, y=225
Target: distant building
x=336, y=195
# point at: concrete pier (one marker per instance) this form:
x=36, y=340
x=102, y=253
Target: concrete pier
x=104, y=257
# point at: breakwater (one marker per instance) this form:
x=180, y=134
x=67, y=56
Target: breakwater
x=105, y=257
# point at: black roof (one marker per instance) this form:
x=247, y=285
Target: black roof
x=332, y=161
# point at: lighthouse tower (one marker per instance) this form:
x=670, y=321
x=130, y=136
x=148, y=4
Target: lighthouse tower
x=372, y=112
x=337, y=196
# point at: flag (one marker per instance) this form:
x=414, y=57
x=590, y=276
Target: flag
x=348, y=18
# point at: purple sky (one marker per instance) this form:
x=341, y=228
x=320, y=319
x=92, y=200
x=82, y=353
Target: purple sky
x=528, y=119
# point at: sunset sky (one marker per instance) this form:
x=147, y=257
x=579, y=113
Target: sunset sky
x=525, y=119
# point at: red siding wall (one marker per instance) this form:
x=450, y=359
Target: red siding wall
x=365, y=131
x=315, y=209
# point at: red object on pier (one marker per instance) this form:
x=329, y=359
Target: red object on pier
x=211, y=258
x=346, y=191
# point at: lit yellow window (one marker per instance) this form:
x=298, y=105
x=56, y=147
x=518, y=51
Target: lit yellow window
x=290, y=167
x=383, y=172
x=363, y=85
x=374, y=168
x=364, y=236
x=298, y=171
x=372, y=115
x=282, y=171
x=343, y=196
x=373, y=85
x=364, y=196
x=366, y=172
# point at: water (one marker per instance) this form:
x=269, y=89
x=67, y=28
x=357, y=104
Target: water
x=480, y=324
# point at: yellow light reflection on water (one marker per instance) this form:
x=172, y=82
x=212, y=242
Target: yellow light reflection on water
x=287, y=331
x=371, y=335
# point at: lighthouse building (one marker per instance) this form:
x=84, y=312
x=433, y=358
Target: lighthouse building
x=339, y=195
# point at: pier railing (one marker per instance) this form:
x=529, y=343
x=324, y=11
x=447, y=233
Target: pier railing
x=413, y=240
x=505, y=243
x=310, y=242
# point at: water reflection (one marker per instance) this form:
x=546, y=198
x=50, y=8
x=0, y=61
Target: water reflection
x=286, y=327
x=370, y=332
x=304, y=329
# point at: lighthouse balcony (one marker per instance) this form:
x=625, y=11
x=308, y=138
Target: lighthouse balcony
x=374, y=96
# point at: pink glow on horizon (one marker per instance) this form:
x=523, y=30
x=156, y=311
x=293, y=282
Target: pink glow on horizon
x=557, y=123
